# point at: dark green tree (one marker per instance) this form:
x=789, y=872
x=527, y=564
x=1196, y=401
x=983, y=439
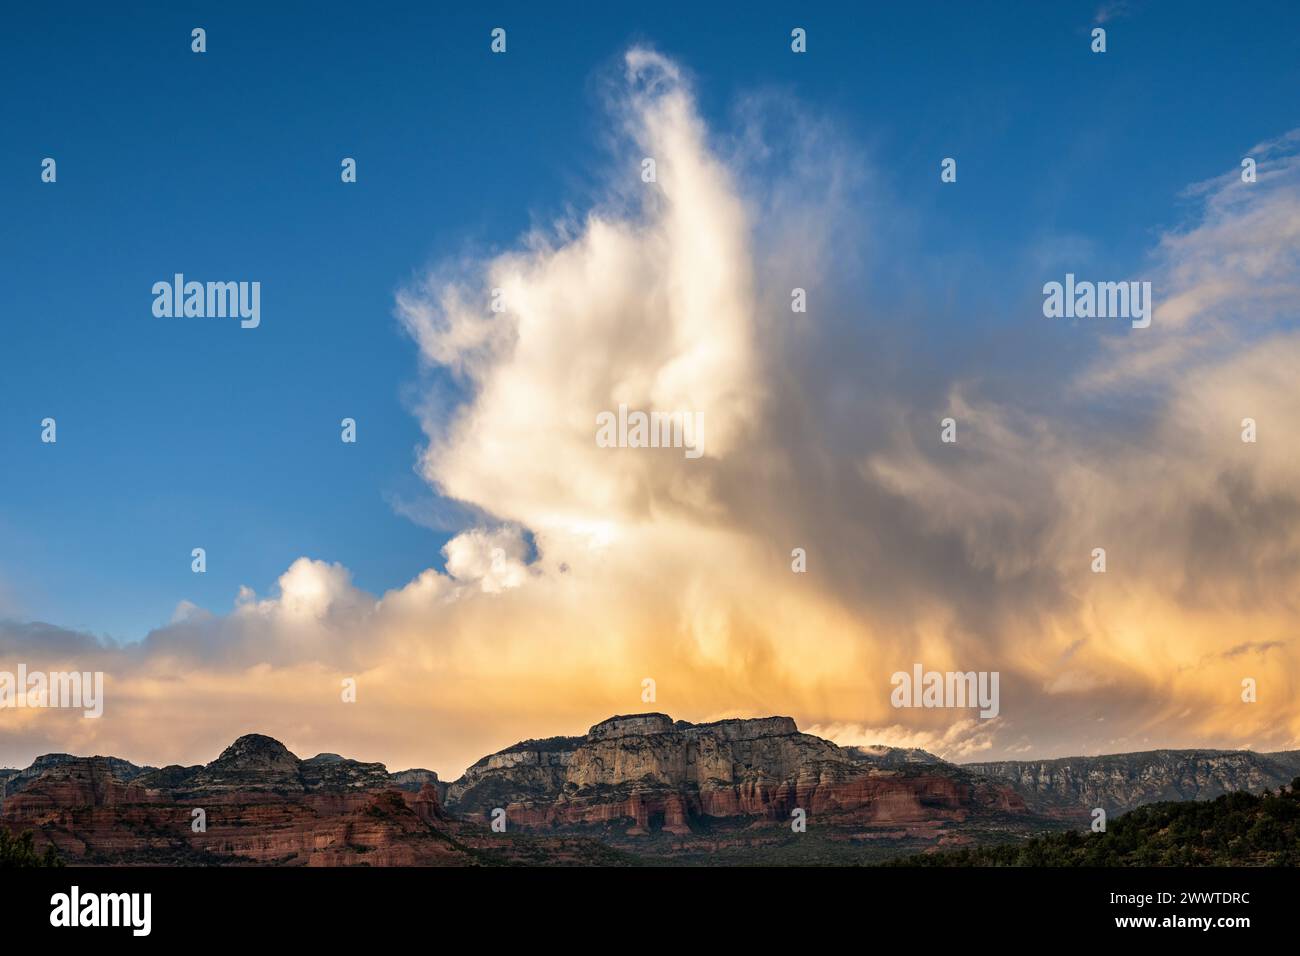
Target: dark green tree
x=20, y=851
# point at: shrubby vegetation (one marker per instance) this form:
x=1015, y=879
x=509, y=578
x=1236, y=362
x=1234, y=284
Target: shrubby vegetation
x=16, y=851
x=1237, y=829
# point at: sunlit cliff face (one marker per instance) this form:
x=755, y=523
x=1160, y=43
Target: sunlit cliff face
x=597, y=568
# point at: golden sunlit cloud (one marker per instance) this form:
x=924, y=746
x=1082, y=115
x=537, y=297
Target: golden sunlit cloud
x=598, y=568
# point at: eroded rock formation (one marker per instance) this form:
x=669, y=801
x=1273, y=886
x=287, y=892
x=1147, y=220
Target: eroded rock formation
x=638, y=783
x=648, y=772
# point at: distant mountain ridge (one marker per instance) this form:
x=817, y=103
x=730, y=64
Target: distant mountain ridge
x=258, y=803
x=633, y=784
x=253, y=763
x=1122, y=782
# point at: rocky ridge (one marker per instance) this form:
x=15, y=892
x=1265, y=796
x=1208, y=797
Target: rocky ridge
x=1123, y=782
x=646, y=772
x=257, y=803
x=642, y=783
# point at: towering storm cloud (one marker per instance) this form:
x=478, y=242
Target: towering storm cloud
x=826, y=536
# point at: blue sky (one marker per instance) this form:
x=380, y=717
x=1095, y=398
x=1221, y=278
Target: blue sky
x=178, y=433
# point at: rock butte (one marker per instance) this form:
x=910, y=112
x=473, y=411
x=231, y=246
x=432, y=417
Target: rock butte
x=665, y=775
x=630, y=783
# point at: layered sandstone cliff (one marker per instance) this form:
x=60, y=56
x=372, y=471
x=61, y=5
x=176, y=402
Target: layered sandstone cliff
x=635, y=783
x=256, y=803
x=646, y=772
